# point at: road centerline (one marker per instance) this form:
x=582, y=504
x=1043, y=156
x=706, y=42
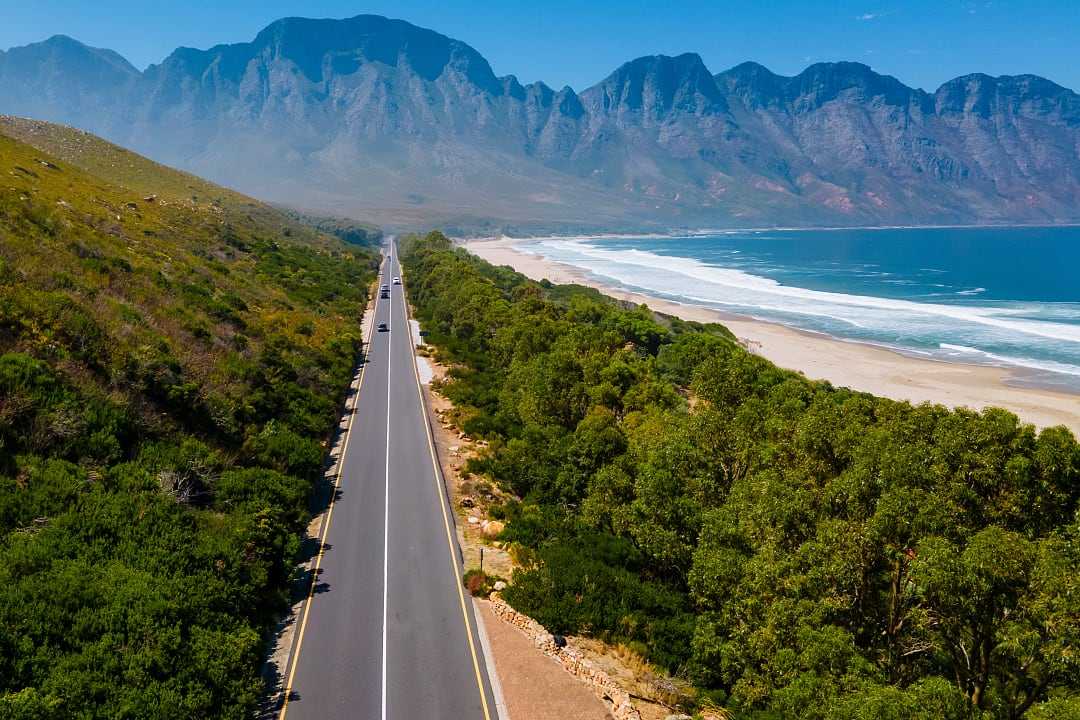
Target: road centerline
x=386, y=493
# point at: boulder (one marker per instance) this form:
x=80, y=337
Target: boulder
x=492, y=528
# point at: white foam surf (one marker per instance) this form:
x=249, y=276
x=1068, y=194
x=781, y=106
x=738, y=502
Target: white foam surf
x=1020, y=329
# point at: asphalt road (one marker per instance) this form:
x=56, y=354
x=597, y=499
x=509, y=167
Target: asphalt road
x=388, y=632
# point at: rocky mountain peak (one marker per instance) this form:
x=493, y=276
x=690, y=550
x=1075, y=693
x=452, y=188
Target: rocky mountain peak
x=656, y=85
x=70, y=54
x=983, y=95
x=824, y=82
x=753, y=83
x=324, y=48
x=568, y=103
x=342, y=45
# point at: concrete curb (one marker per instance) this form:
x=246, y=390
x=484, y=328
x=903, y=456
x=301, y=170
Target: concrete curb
x=501, y=709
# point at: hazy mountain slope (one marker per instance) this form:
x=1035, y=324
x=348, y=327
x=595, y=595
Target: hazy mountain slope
x=977, y=149
x=65, y=81
x=370, y=115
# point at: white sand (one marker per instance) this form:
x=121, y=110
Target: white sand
x=863, y=367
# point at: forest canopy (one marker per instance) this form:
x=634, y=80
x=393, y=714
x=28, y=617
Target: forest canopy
x=791, y=548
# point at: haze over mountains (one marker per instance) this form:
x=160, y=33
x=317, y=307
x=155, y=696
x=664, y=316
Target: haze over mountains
x=381, y=119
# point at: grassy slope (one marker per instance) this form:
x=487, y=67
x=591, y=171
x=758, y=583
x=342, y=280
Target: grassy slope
x=351, y=231
x=169, y=369
x=144, y=177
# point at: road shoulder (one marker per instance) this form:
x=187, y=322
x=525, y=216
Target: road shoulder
x=534, y=685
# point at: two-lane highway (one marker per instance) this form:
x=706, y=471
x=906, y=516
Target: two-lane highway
x=389, y=631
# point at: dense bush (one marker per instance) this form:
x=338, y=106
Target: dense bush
x=350, y=231
x=169, y=373
x=798, y=549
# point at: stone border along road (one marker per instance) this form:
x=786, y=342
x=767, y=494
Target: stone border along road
x=622, y=708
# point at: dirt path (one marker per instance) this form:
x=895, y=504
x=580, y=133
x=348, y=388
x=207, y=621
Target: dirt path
x=534, y=685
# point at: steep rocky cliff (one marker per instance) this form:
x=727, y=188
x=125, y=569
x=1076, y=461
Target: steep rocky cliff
x=377, y=116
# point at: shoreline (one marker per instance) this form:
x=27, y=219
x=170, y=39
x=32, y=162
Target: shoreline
x=859, y=366
x=687, y=232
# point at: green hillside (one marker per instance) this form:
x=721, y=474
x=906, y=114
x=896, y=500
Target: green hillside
x=350, y=231
x=784, y=548
x=146, y=178
x=172, y=358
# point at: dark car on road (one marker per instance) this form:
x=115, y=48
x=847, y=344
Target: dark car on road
x=381, y=327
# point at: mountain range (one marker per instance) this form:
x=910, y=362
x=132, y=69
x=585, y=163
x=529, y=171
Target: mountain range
x=377, y=118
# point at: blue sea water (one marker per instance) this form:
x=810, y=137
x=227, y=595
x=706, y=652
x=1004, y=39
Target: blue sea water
x=997, y=296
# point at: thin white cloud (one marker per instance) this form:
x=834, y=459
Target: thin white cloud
x=869, y=16
x=973, y=6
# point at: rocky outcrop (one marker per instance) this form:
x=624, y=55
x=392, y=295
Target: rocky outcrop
x=379, y=117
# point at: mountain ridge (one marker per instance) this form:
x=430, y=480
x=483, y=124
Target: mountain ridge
x=376, y=117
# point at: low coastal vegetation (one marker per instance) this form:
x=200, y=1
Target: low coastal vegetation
x=349, y=231
x=790, y=548
x=172, y=357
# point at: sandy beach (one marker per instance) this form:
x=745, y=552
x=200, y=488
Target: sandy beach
x=859, y=366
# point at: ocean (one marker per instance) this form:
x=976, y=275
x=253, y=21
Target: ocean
x=1006, y=297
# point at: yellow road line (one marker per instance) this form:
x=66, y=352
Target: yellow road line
x=326, y=525
x=439, y=489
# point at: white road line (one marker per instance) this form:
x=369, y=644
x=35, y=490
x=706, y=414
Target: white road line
x=386, y=491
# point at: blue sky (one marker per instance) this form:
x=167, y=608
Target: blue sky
x=923, y=43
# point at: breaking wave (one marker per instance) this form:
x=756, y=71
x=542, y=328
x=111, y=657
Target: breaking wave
x=1042, y=337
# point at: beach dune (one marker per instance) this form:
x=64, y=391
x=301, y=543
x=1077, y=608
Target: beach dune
x=859, y=366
